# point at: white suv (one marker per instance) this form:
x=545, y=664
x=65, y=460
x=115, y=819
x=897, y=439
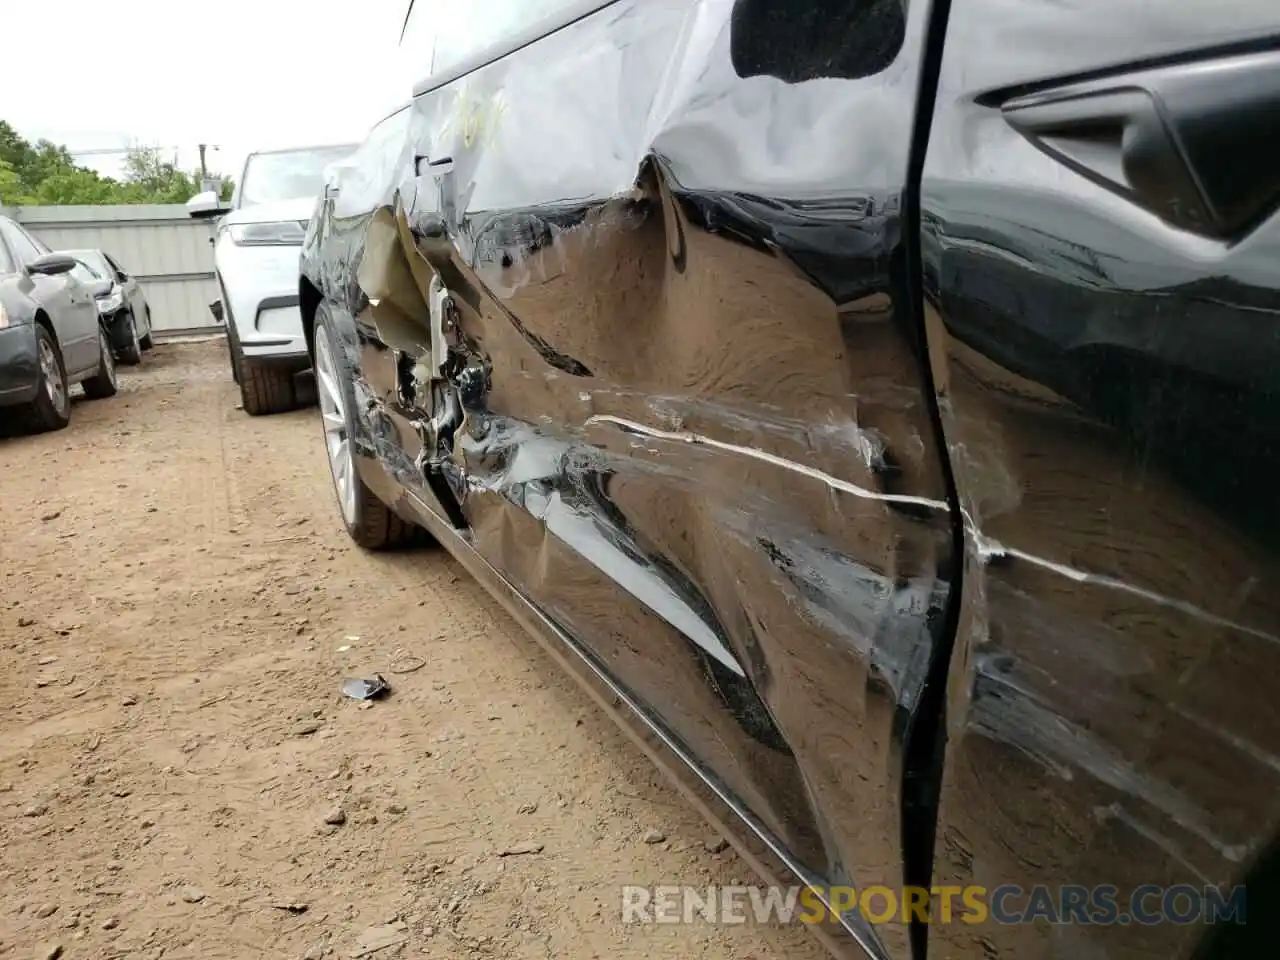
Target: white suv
x=256, y=253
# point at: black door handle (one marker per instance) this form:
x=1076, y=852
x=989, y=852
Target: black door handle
x=1120, y=136
x=423, y=165
x=1193, y=143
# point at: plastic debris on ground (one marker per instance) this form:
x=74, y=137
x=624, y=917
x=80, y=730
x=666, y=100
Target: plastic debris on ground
x=358, y=688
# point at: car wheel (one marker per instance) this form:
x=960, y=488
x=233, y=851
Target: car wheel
x=132, y=353
x=369, y=522
x=51, y=408
x=146, y=343
x=266, y=387
x=103, y=383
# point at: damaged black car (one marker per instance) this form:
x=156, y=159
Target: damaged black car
x=122, y=304
x=877, y=405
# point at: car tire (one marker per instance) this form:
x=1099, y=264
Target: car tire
x=103, y=383
x=369, y=521
x=266, y=387
x=132, y=353
x=45, y=413
x=146, y=343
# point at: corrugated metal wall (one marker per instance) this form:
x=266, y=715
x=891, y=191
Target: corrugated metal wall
x=159, y=244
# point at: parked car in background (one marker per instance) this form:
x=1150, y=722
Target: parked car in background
x=51, y=333
x=123, y=305
x=256, y=259
x=878, y=405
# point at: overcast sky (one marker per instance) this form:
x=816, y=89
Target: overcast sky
x=102, y=74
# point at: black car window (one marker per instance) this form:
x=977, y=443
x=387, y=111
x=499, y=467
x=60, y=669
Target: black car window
x=116, y=268
x=287, y=174
x=95, y=261
x=85, y=273
x=440, y=36
x=20, y=242
x=7, y=264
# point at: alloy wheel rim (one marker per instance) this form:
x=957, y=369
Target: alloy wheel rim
x=337, y=441
x=52, y=372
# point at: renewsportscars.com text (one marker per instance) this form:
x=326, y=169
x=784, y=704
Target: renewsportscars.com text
x=1007, y=904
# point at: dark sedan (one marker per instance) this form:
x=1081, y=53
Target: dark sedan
x=51, y=334
x=877, y=403
x=123, y=305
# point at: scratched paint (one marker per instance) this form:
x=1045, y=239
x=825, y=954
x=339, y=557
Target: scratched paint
x=685, y=399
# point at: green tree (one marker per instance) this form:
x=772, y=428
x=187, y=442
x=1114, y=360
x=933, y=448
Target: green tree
x=75, y=185
x=11, y=190
x=18, y=155
x=149, y=179
x=46, y=173
x=35, y=164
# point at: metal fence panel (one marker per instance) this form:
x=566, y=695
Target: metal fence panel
x=161, y=245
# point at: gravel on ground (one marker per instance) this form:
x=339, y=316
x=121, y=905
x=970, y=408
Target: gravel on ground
x=180, y=776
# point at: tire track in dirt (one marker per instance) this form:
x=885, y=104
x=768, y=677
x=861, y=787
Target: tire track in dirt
x=170, y=656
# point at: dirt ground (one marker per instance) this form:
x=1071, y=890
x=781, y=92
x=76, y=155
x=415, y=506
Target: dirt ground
x=179, y=608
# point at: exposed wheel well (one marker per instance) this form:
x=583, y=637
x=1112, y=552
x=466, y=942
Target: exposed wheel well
x=42, y=318
x=308, y=303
